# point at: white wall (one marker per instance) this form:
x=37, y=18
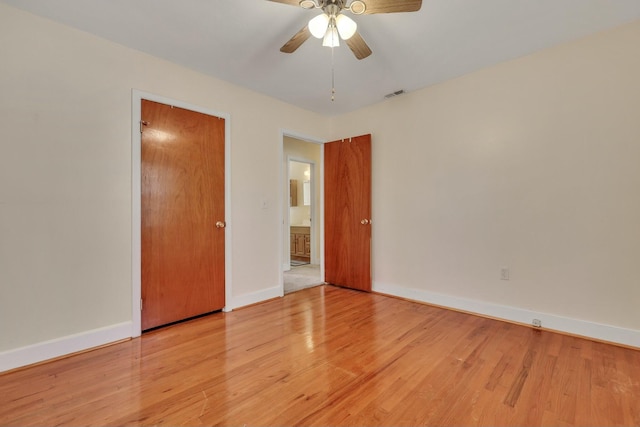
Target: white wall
x=65, y=181
x=532, y=164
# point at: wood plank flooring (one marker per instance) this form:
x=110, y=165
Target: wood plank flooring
x=332, y=356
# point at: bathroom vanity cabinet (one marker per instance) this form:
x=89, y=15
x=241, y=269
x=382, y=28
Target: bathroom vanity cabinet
x=301, y=243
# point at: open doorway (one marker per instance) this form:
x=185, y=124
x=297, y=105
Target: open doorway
x=300, y=212
x=302, y=215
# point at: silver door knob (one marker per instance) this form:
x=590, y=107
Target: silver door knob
x=364, y=222
x=220, y=224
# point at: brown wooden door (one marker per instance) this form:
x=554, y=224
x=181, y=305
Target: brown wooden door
x=347, y=198
x=182, y=200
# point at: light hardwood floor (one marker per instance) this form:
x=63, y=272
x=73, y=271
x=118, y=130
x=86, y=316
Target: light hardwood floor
x=331, y=356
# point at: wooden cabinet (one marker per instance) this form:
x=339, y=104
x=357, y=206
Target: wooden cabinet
x=301, y=243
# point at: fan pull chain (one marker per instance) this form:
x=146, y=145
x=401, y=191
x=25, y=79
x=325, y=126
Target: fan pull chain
x=333, y=80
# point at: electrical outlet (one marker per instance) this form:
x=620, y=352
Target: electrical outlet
x=504, y=273
x=536, y=323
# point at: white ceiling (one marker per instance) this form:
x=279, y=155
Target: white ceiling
x=239, y=40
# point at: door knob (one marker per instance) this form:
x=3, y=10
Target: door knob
x=220, y=224
x=364, y=222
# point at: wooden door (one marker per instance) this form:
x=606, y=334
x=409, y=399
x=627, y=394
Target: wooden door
x=347, y=219
x=182, y=214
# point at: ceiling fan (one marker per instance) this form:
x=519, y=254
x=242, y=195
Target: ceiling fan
x=332, y=25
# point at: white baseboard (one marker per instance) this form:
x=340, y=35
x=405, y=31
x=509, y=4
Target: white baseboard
x=598, y=331
x=40, y=352
x=255, y=297
x=58, y=347
x=51, y=349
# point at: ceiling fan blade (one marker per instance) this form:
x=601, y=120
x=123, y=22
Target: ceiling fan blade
x=391, y=6
x=358, y=46
x=297, y=40
x=290, y=2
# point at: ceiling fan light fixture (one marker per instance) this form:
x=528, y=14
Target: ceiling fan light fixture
x=357, y=7
x=346, y=26
x=318, y=25
x=331, y=38
x=308, y=4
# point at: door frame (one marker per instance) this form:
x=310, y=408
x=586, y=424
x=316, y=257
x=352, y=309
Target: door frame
x=136, y=197
x=284, y=220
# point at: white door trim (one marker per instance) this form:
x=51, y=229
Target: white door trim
x=136, y=194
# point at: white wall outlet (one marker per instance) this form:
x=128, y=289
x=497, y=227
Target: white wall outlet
x=536, y=323
x=504, y=273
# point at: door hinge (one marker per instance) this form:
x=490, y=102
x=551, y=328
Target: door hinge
x=140, y=304
x=143, y=123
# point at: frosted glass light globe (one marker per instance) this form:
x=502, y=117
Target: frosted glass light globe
x=318, y=25
x=331, y=39
x=346, y=26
